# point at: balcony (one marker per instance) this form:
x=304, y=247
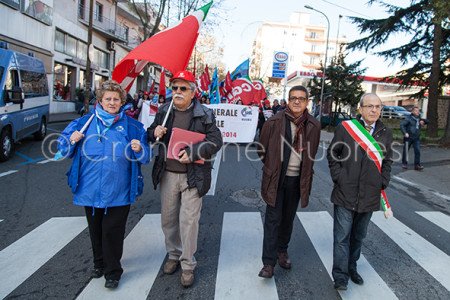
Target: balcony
x=107, y=27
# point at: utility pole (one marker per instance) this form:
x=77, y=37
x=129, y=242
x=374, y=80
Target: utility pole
x=87, y=92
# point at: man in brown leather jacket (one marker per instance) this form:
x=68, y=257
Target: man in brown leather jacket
x=288, y=146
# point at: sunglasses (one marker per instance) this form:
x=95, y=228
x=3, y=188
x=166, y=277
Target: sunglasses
x=182, y=88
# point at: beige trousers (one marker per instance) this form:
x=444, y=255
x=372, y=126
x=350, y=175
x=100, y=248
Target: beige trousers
x=180, y=215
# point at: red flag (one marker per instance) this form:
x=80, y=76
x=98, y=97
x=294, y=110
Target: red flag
x=242, y=89
x=205, y=80
x=260, y=91
x=153, y=109
x=228, y=85
x=160, y=49
x=162, y=84
x=152, y=88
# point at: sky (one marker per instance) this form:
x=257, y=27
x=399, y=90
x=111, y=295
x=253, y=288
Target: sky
x=237, y=33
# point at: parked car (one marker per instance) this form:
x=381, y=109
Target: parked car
x=24, y=99
x=335, y=118
x=394, y=112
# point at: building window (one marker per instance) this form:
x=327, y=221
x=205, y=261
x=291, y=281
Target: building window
x=312, y=60
x=82, y=50
x=38, y=10
x=59, y=41
x=313, y=48
x=13, y=3
x=81, y=8
x=98, y=12
x=313, y=35
x=71, y=46
x=101, y=59
x=63, y=76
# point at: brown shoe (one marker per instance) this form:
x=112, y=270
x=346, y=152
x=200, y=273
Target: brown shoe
x=283, y=260
x=187, y=278
x=171, y=266
x=266, y=271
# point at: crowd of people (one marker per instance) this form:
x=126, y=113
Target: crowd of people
x=108, y=148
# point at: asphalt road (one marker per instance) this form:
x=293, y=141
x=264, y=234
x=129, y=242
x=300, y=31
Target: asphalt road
x=409, y=262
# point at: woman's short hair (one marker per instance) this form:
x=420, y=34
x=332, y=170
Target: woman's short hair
x=111, y=86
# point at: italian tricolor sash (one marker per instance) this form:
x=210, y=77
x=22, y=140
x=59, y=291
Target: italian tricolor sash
x=373, y=150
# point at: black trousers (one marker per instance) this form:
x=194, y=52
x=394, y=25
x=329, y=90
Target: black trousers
x=279, y=220
x=107, y=232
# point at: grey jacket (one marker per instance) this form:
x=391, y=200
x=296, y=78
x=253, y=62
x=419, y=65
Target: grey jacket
x=409, y=125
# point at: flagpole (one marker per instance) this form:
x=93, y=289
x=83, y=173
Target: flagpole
x=166, y=117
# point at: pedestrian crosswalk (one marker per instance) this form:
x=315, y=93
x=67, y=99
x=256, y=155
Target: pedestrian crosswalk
x=423, y=252
x=374, y=287
x=239, y=257
x=22, y=258
x=437, y=218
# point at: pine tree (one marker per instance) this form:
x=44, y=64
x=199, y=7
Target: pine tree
x=429, y=47
x=343, y=82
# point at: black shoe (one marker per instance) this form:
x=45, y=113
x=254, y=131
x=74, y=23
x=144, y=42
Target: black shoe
x=356, y=278
x=111, y=283
x=418, y=168
x=340, y=286
x=97, y=273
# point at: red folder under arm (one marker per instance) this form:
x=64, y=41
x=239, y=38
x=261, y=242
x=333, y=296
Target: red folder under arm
x=181, y=138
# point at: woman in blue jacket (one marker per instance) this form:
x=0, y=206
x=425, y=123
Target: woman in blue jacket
x=105, y=176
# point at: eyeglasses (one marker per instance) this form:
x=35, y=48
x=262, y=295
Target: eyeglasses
x=115, y=100
x=295, y=99
x=182, y=88
x=370, y=107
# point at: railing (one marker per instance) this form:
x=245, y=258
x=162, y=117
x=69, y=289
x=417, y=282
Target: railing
x=102, y=23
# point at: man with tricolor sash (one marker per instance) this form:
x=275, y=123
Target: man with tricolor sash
x=360, y=159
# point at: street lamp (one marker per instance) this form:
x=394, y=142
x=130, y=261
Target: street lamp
x=325, y=62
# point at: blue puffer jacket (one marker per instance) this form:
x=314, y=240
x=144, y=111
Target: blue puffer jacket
x=105, y=173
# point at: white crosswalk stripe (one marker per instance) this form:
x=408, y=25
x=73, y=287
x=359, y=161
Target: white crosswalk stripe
x=215, y=173
x=437, y=218
x=374, y=287
x=239, y=257
x=429, y=257
x=143, y=253
x=242, y=234
x=22, y=258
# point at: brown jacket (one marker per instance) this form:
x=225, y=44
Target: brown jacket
x=275, y=154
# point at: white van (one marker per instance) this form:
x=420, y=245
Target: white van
x=24, y=99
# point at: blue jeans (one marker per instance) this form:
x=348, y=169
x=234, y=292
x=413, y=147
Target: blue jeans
x=349, y=231
x=407, y=143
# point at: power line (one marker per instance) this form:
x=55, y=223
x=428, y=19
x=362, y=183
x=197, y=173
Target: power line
x=355, y=12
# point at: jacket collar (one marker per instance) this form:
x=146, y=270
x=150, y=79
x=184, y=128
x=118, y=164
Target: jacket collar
x=310, y=119
x=378, y=124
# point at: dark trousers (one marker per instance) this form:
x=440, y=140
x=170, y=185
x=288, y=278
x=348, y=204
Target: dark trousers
x=107, y=232
x=407, y=143
x=279, y=220
x=349, y=231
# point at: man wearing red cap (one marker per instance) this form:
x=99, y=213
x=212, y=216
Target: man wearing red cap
x=183, y=183
x=288, y=146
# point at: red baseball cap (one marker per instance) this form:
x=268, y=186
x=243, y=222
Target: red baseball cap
x=184, y=75
x=266, y=102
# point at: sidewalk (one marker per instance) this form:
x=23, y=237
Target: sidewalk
x=63, y=117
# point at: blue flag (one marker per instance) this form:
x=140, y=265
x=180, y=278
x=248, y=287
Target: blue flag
x=241, y=70
x=214, y=94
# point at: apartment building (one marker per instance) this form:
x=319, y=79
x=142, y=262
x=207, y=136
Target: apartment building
x=56, y=31
x=304, y=42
